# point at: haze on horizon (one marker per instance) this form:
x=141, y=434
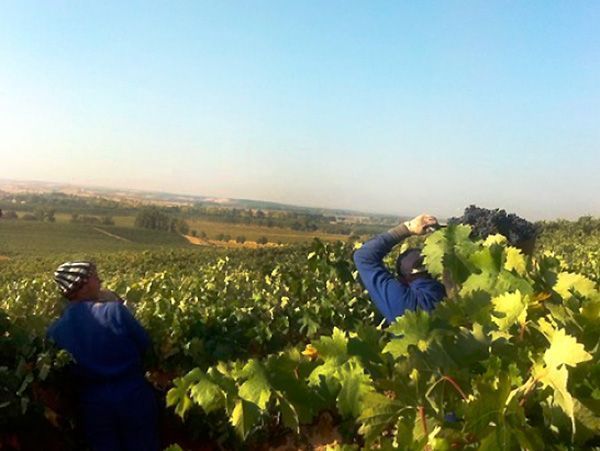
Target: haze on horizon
x=370, y=106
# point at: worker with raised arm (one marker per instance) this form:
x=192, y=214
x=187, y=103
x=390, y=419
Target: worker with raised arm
x=413, y=288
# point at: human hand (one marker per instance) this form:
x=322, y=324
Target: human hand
x=419, y=224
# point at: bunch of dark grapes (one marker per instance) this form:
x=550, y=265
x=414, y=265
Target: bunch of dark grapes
x=486, y=222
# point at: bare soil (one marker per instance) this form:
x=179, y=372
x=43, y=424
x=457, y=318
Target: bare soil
x=98, y=229
x=231, y=244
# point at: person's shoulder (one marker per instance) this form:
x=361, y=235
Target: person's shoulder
x=428, y=287
x=113, y=309
x=55, y=328
x=424, y=283
x=107, y=306
x=52, y=329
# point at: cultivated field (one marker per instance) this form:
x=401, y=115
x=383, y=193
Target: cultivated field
x=280, y=348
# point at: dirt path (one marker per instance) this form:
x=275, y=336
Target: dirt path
x=4, y=257
x=98, y=229
x=231, y=244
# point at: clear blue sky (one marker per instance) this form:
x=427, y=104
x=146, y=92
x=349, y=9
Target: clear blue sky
x=385, y=106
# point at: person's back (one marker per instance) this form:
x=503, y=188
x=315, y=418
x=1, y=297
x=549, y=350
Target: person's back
x=118, y=406
x=106, y=344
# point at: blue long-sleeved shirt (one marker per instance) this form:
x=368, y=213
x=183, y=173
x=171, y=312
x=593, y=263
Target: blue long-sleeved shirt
x=392, y=297
x=107, y=344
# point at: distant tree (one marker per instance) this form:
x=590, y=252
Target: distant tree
x=182, y=227
x=179, y=226
x=152, y=218
x=44, y=214
x=226, y=237
x=39, y=214
x=155, y=219
x=262, y=240
x=203, y=234
x=10, y=214
x=107, y=220
x=240, y=239
x=89, y=219
x=219, y=237
x=194, y=233
x=588, y=224
x=353, y=237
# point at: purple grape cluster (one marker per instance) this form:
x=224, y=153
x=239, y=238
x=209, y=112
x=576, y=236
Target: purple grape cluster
x=485, y=222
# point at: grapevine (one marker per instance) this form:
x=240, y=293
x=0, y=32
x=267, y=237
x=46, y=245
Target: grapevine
x=249, y=346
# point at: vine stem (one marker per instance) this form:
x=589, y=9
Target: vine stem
x=533, y=383
x=456, y=386
x=421, y=410
x=522, y=332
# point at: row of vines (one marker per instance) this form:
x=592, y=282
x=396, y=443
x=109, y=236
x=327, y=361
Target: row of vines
x=281, y=347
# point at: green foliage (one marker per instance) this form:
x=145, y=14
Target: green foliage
x=509, y=354
x=29, y=241
x=154, y=218
x=264, y=341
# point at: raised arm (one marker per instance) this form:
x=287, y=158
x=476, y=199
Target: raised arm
x=390, y=296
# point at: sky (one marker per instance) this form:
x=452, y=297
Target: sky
x=379, y=106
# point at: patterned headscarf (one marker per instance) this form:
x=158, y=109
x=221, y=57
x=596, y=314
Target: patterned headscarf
x=70, y=276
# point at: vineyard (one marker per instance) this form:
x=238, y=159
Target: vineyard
x=282, y=348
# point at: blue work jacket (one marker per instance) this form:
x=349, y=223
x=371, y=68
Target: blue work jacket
x=391, y=296
x=107, y=344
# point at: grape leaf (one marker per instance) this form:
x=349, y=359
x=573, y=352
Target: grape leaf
x=256, y=388
x=487, y=405
x=568, y=282
x=565, y=350
x=244, y=417
x=436, y=246
x=478, y=282
x=556, y=378
x=487, y=259
x=178, y=397
x=334, y=347
x=413, y=328
x=288, y=414
x=588, y=418
x=509, y=309
x=442, y=250
x=207, y=395
x=494, y=239
x=379, y=412
x=515, y=261
x=355, y=384
x=591, y=309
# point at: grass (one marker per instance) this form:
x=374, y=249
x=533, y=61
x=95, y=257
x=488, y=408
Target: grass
x=33, y=238
x=250, y=231
x=124, y=221
x=253, y=232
